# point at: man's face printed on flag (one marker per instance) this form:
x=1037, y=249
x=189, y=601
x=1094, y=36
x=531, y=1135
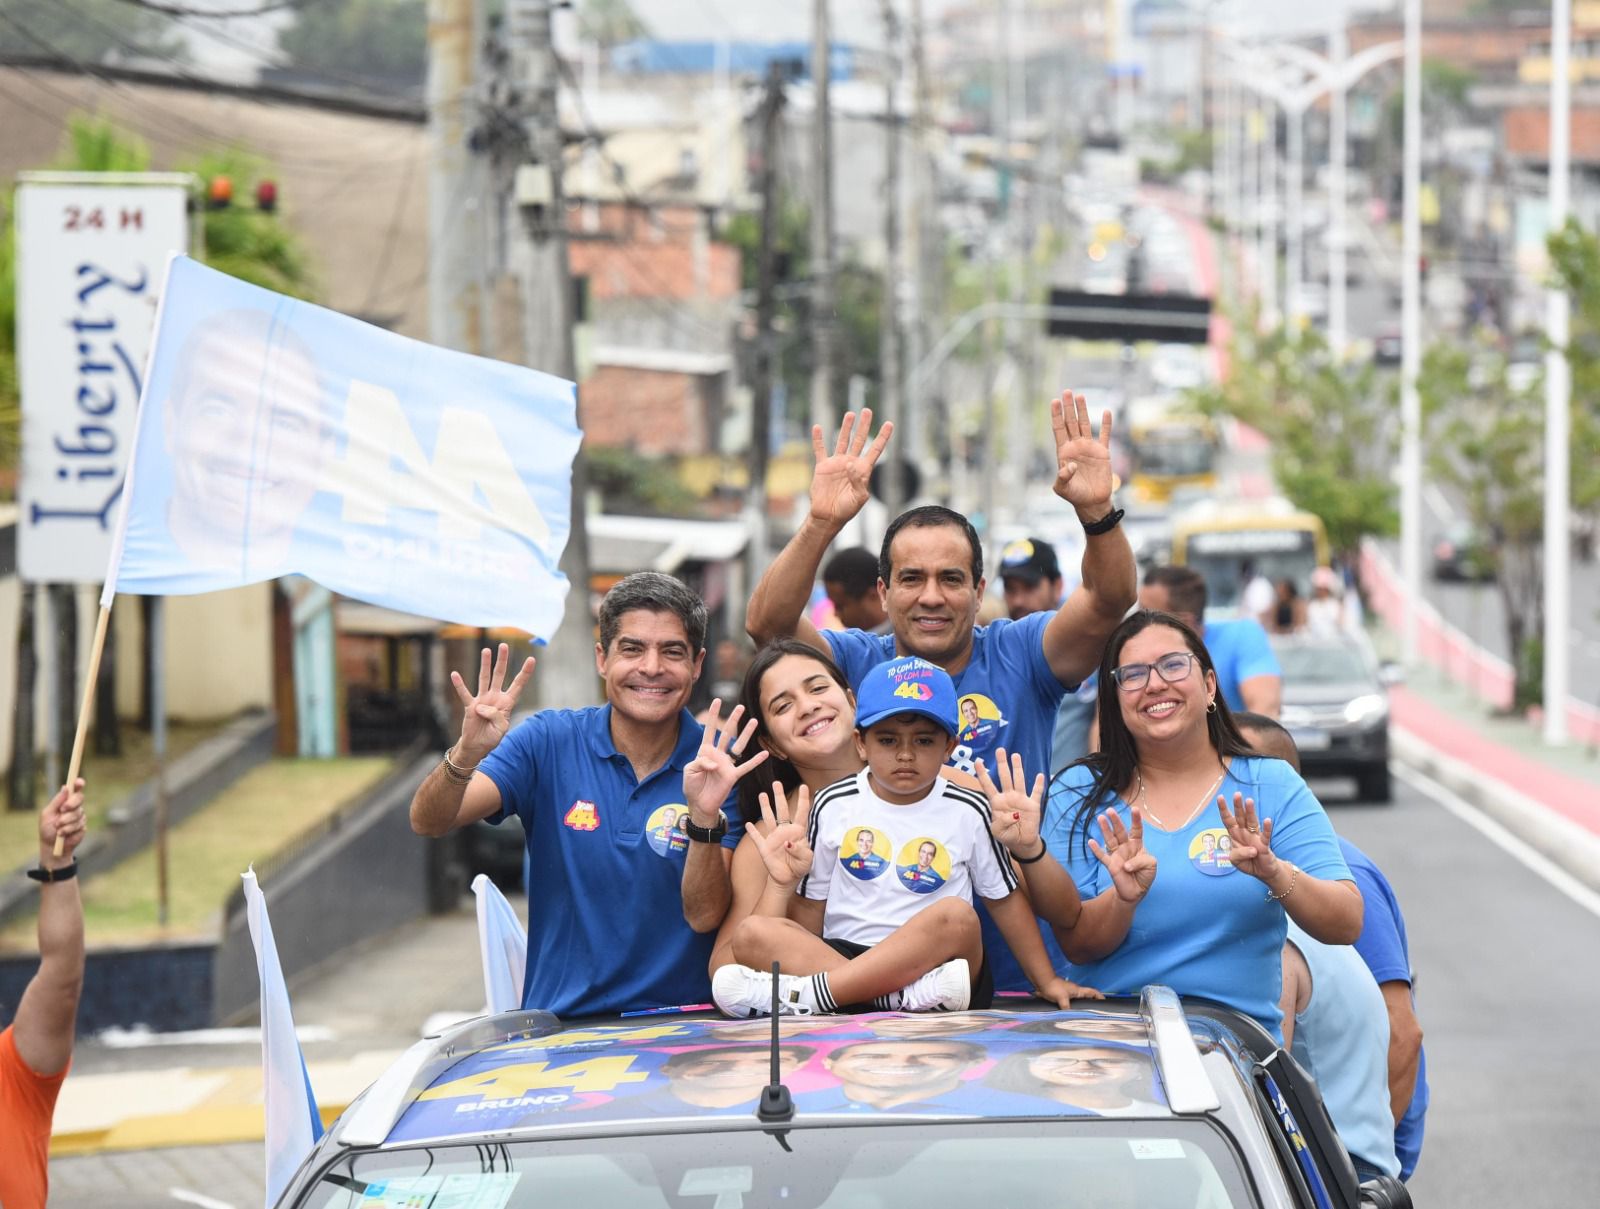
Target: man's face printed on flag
x=247, y=433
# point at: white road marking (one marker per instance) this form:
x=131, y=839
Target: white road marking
x=195, y=1198
x=1501, y=837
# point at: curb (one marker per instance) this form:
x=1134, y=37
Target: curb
x=1560, y=840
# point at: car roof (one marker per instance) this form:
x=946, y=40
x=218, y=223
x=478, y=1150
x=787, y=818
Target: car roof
x=526, y=1074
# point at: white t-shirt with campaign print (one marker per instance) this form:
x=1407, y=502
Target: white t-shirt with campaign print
x=876, y=864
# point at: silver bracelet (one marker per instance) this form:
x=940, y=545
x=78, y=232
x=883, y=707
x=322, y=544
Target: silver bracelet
x=454, y=771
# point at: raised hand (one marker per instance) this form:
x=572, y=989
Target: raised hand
x=1251, y=840
x=784, y=845
x=839, y=483
x=712, y=774
x=1061, y=992
x=1014, y=813
x=61, y=821
x=1132, y=869
x=1083, y=461
x=487, y=715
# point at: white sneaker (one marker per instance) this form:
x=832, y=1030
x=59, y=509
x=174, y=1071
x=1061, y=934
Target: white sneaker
x=740, y=991
x=946, y=988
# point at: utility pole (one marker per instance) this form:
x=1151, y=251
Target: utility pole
x=1411, y=342
x=456, y=179
x=1338, y=190
x=927, y=420
x=566, y=672
x=824, y=326
x=889, y=337
x=766, y=309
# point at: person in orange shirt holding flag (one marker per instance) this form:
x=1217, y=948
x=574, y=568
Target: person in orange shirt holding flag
x=36, y=1047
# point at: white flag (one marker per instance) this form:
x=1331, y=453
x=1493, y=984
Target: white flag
x=293, y=1123
x=503, y=944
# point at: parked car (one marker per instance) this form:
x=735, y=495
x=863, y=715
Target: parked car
x=1387, y=347
x=1336, y=705
x=1157, y=1103
x=1464, y=553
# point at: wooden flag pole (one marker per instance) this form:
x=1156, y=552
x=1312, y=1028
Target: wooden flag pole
x=87, y=707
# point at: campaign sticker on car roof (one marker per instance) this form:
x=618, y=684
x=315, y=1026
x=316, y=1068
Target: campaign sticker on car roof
x=485, y=1190
x=958, y=1064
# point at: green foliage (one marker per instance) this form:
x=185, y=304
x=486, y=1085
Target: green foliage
x=96, y=144
x=1575, y=257
x=610, y=22
x=91, y=31
x=1326, y=421
x=1486, y=441
x=379, y=40
x=631, y=484
x=242, y=241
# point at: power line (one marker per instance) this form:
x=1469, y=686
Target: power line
x=180, y=10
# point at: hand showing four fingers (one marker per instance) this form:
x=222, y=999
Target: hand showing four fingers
x=1131, y=867
x=712, y=774
x=1250, y=839
x=783, y=843
x=487, y=714
x=1014, y=813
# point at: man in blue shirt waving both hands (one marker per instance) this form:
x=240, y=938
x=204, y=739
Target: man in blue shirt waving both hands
x=601, y=794
x=1010, y=675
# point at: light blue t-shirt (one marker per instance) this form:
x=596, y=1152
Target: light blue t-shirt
x=1240, y=651
x=606, y=931
x=1383, y=947
x=1342, y=1038
x=1204, y=928
x=1006, y=697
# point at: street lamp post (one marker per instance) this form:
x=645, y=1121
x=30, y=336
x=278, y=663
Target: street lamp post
x=1557, y=396
x=1338, y=189
x=1411, y=336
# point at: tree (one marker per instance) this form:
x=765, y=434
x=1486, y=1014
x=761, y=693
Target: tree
x=1575, y=256
x=380, y=42
x=1486, y=440
x=1327, y=424
x=87, y=31
x=610, y=22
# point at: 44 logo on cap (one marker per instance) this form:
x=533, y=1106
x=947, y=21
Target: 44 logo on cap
x=915, y=690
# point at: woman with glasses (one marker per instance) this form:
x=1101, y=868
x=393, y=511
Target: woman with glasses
x=1159, y=903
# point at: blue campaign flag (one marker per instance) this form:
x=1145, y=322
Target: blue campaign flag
x=293, y=1124
x=276, y=437
x=503, y=946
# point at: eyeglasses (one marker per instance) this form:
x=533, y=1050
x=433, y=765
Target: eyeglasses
x=1131, y=677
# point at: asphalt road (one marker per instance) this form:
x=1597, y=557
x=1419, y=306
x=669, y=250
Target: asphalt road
x=1508, y=987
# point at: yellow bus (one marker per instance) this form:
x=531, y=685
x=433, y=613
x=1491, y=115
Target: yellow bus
x=1166, y=452
x=1270, y=536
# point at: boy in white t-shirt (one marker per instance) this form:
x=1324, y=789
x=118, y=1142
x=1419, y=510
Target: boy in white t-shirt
x=886, y=864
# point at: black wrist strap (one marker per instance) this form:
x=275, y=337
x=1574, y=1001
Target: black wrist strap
x=63, y=874
x=1036, y=857
x=706, y=835
x=1105, y=524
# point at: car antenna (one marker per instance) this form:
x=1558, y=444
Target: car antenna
x=776, y=1104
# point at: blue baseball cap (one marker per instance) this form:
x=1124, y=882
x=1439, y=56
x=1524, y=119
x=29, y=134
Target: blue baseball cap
x=907, y=686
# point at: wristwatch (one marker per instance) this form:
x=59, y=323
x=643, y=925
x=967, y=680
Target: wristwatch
x=706, y=835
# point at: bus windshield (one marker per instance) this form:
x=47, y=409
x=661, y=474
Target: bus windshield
x=1221, y=556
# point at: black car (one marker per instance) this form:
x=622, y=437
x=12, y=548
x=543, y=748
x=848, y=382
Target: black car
x=1464, y=553
x=1336, y=705
x=1152, y=1103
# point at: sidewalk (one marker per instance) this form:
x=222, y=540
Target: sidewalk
x=365, y=1010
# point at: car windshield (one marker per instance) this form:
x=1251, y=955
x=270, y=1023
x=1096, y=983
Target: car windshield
x=1322, y=663
x=1103, y=1164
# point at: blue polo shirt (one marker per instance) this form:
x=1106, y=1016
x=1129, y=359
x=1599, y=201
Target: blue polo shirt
x=606, y=931
x=1006, y=697
x=1240, y=650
